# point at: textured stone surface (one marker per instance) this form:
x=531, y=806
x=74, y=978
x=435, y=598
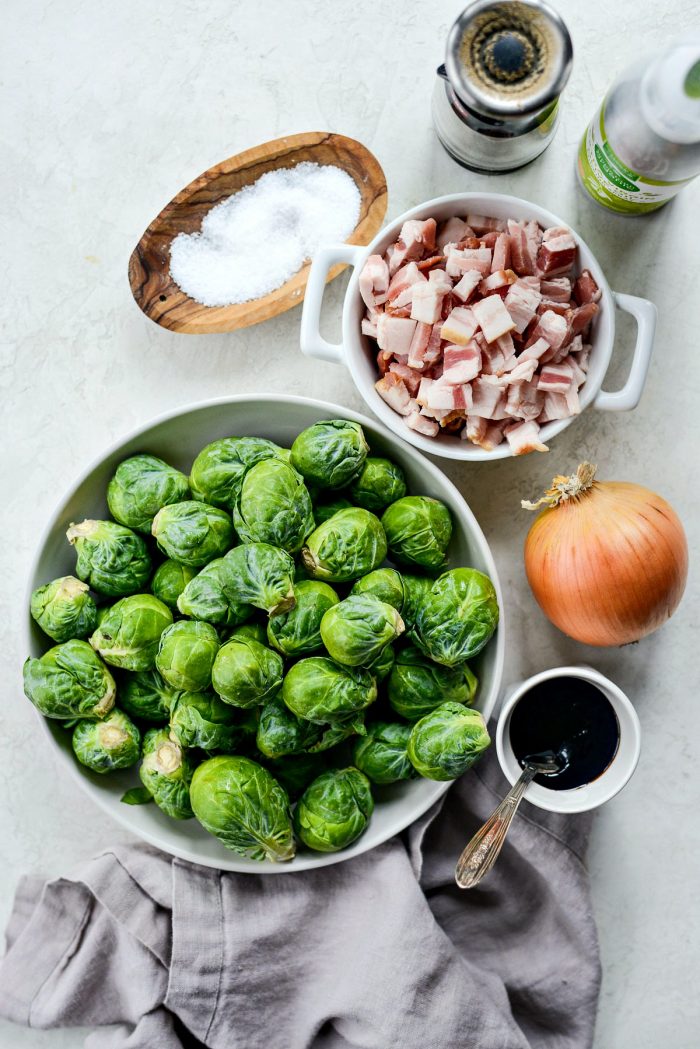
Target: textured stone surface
x=107, y=110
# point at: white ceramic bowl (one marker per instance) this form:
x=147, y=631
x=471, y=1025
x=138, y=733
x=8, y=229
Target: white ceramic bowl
x=615, y=776
x=177, y=437
x=358, y=355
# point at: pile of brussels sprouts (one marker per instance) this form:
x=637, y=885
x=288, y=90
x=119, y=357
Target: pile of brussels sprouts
x=248, y=643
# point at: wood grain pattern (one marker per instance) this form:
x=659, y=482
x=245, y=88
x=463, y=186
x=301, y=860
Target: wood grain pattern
x=149, y=266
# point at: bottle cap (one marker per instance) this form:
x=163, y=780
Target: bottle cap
x=670, y=93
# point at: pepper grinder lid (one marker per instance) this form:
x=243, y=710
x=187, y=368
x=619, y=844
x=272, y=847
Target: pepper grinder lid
x=508, y=58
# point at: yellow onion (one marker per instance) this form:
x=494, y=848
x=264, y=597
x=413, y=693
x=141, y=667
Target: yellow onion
x=607, y=561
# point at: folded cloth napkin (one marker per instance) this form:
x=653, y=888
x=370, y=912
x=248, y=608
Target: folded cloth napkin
x=378, y=952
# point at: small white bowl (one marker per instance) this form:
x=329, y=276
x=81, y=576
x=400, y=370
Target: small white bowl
x=358, y=352
x=615, y=776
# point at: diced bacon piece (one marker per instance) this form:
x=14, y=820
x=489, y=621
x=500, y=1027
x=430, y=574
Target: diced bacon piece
x=582, y=317
x=374, y=281
x=531, y=400
x=556, y=290
x=553, y=408
x=426, y=306
x=514, y=396
x=404, y=278
x=557, y=253
x=493, y=359
x=440, y=279
x=368, y=327
x=451, y=232
x=392, y=389
x=497, y=279
x=579, y=375
x=525, y=437
x=461, y=363
x=421, y=424
x=572, y=401
x=488, y=240
x=583, y=356
x=484, y=223
x=465, y=287
x=555, y=378
x=521, y=258
x=459, y=326
x=415, y=239
x=433, y=351
x=427, y=264
x=475, y=430
x=487, y=398
x=501, y=253
x=384, y=359
x=443, y=395
x=535, y=350
x=551, y=327
x=562, y=308
x=586, y=289
x=493, y=317
x=419, y=345
x=395, y=333
x=521, y=302
x=523, y=371
x=411, y=379
x=459, y=260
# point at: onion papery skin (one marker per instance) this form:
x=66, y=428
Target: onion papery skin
x=609, y=565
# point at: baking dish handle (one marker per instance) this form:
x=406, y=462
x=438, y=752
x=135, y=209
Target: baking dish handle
x=644, y=312
x=312, y=342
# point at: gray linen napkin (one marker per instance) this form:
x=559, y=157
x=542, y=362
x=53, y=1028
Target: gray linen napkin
x=381, y=951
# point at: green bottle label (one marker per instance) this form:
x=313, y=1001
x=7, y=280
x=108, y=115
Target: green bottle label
x=611, y=182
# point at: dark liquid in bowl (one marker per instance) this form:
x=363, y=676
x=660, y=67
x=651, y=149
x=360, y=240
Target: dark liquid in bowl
x=571, y=714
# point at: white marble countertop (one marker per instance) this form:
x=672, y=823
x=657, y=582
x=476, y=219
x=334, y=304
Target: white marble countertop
x=108, y=110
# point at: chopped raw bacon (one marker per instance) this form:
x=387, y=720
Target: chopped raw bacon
x=521, y=302
x=460, y=260
x=415, y=239
x=392, y=389
x=461, y=363
x=557, y=253
x=427, y=264
x=404, y=278
x=494, y=319
x=451, y=232
x=421, y=424
x=426, y=304
x=521, y=258
x=586, y=289
x=497, y=279
x=501, y=253
x=395, y=333
x=374, y=281
x=555, y=378
x=464, y=288
x=459, y=326
x=369, y=327
x=419, y=345
x=551, y=327
x=582, y=317
x=556, y=290
x=410, y=378
x=524, y=438
x=485, y=223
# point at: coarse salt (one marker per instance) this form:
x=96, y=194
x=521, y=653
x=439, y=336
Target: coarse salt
x=258, y=238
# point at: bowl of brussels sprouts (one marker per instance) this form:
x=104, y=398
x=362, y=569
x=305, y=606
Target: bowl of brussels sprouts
x=263, y=633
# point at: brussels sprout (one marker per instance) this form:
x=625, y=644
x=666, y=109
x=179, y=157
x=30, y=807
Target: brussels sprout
x=166, y=773
x=273, y=506
x=246, y=673
x=330, y=453
x=347, y=545
x=254, y=631
x=114, y=560
x=325, y=510
x=103, y=746
x=386, y=584
x=204, y=598
x=457, y=617
x=219, y=468
x=192, y=533
x=169, y=580
x=261, y=575
x=200, y=719
x=447, y=741
x=64, y=609
x=381, y=754
x=332, y=735
x=418, y=531
x=415, y=589
x=320, y=690
x=378, y=484
x=140, y=487
x=129, y=633
x=146, y=696
x=240, y=803
x=280, y=732
x=186, y=654
x=356, y=630
x=417, y=685
x=334, y=810
x=296, y=772
x=381, y=666
x=69, y=681
x=297, y=632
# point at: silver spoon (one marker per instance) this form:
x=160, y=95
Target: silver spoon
x=483, y=850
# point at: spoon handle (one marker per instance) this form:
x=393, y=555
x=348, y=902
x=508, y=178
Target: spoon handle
x=482, y=851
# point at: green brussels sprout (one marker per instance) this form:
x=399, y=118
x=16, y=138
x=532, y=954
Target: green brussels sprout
x=386, y=584
x=356, y=630
x=323, y=511
x=294, y=773
x=418, y=531
x=219, y=468
x=381, y=754
x=281, y=733
x=204, y=598
x=246, y=673
x=457, y=617
x=417, y=685
x=104, y=746
x=146, y=695
x=141, y=486
x=261, y=575
x=114, y=560
x=378, y=484
x=201, y=719
x=166, y=773
x=64, y=609
x=192, y=533
x=298, y=632
x=255, y=631
x=334, y=810
x=332, y=735
x=169, y=580
x=273, y=506
x=331, y=453
x=320, y=690
x=240, y=803
x=447, y=741
x=382, y=664
x=347, y=545
x=129, y=633
x=415, y=589
x=69, y=681
x=186, y=655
